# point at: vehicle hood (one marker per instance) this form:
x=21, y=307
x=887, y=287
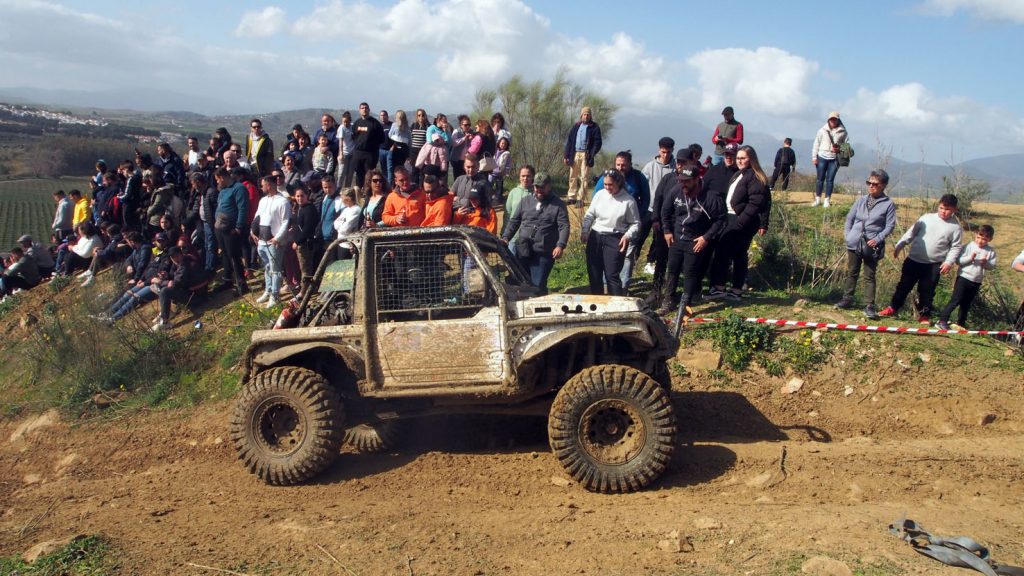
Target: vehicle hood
x=555, y=305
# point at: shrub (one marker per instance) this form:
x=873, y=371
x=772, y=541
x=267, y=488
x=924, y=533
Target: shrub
x=739, y=340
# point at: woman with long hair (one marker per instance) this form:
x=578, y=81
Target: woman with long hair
x=418, y=133
x=747, y=204
x=375, y=192
x=401, y=139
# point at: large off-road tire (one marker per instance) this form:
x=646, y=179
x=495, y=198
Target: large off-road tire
x=287, y=425
x=612, y=428
x=373, y=437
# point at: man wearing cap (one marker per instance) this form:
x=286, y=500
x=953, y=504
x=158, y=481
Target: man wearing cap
x=581, y=147
x=692, y=219
x=259, y=149
x=728, y=131
x=542, y=222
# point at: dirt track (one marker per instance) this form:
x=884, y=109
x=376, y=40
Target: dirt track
x=759, y=478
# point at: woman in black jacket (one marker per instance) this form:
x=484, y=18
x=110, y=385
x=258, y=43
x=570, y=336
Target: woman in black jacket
x=747, y=203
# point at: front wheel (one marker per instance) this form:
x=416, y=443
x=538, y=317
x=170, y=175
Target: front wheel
x=612, y=428
x=287, y=425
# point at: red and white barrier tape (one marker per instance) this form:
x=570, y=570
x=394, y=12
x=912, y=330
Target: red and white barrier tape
x=863, y=328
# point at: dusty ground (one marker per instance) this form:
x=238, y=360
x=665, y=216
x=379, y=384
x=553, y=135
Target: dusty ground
x=760, y=479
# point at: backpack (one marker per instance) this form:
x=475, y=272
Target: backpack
x=845, y=153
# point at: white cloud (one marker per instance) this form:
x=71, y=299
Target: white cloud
x=767, y=80
x=267, y=22
x=998, y=10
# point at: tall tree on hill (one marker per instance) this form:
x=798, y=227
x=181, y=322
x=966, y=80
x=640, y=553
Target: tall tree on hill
x=540, y=115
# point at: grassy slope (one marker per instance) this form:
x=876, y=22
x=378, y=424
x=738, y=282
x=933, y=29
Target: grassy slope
x=26, y=206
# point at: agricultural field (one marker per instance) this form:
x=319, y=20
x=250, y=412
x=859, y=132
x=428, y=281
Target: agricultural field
x=26, y=206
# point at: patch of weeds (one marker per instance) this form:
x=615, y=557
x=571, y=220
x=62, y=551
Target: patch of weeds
x=772, y=366
x=678, y=370
x=58, y=283
x=803, y=353
x=9, y=303
x=739, y=340
x=570, y=270
x=718, y=375
x=248, y=318
x=788, y=565
x=83, y=556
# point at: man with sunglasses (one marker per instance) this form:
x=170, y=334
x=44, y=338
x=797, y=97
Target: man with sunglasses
x=259, y=149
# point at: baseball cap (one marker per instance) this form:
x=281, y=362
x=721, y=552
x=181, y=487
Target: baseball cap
x=731, y=149
x=24, y=238
x=833, y=115
x=541, y=179
x=683, y=155
x=688, y=173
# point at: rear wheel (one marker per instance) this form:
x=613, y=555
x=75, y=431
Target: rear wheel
x=612, y=428
x=287, y=425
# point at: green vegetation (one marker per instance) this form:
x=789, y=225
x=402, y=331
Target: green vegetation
x=83, y=556
x=26, y=207
x=73, y=362
x=540, y=115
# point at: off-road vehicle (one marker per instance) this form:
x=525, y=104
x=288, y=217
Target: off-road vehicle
x=421, y=321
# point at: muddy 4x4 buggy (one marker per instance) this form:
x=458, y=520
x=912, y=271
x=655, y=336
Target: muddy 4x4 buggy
x=423, y=321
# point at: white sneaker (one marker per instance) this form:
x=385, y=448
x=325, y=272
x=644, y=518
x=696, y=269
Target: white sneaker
x=816, y=202
x=649, y=268
x=161, y=325
x=88, y=281
x=85, y=274
x=271, y=303
x=156, y=320
x=263, y=298
x=827, y=203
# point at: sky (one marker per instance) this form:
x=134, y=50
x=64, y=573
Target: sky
x=928, y=80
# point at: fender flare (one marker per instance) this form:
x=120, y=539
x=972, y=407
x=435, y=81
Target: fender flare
x=273, y=356
x=546, y=342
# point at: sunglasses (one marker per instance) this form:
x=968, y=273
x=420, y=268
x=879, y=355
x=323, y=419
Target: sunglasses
x=376, y=180
x=870, y=183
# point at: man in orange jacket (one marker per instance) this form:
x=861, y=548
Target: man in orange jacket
x=439, y=203
x=406, y=206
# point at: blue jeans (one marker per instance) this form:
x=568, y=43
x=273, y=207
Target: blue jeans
x=132, y=298
x=210, y=247
x=717, y=159
x=384, y=160
x=539, y=266
x=273, y=264
x=826, y=175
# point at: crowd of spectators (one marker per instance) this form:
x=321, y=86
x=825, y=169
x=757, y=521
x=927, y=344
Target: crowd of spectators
x=170, y=222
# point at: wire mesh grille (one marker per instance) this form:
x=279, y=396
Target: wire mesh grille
x=429, y=275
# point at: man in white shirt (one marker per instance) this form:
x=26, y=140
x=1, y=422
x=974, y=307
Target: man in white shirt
x=269, y=227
